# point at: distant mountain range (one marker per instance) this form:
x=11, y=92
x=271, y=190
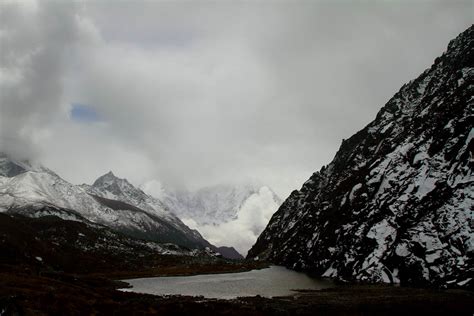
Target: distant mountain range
x=215, y=204
x=397, y=202
x=36, y=191
x=213, y=209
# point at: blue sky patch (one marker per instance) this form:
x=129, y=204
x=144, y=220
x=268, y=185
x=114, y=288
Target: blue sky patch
x=84, y=113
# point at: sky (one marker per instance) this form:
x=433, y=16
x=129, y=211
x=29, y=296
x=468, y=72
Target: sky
x=193, y=94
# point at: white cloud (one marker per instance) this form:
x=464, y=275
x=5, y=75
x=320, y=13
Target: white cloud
x=154, y=188
x=202, y=93
x=242, y=232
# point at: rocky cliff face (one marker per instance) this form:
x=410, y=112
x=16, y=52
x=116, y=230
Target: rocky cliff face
x=396, y=204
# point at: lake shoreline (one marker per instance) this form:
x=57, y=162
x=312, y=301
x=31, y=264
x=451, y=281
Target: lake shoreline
x=273, y=281
x=26, y=293
x=236, y=266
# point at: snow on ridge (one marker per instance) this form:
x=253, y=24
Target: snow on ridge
x=408, y=176
x=226, y=215
x=37, y=191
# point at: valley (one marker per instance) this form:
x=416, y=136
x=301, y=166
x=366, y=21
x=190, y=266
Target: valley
x=208, y=113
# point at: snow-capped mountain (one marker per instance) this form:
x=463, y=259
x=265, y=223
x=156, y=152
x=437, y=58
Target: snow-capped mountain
x=213, y=205
x=37, y=191
x=112, y=187
x=25, y=185
x=396, y=204
x=226, y=215
x=10, y=169
x=108, y=189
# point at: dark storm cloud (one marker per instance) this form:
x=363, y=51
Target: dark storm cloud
x=194, y=93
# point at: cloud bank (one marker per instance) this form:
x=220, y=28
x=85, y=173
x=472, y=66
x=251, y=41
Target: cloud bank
x=242, y=232
x=198, y=93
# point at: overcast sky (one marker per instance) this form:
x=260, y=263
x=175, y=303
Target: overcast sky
x=198, y=93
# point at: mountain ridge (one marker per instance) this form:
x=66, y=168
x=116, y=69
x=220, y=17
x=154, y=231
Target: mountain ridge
x=395, y=204
x=27, y=189
x=213, y=204
x=225, y=214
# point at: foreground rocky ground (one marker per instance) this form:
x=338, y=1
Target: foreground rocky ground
x=50, y=266
x=22, y=293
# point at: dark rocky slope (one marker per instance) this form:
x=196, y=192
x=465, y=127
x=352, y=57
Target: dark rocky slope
x=49, y=244
x=155, y=228
x=228, y=252
x=396, y=203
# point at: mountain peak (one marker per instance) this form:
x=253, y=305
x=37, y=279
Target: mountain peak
x=112, y=187
x=10, y=167
x=105, y=179
x=110, y=174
